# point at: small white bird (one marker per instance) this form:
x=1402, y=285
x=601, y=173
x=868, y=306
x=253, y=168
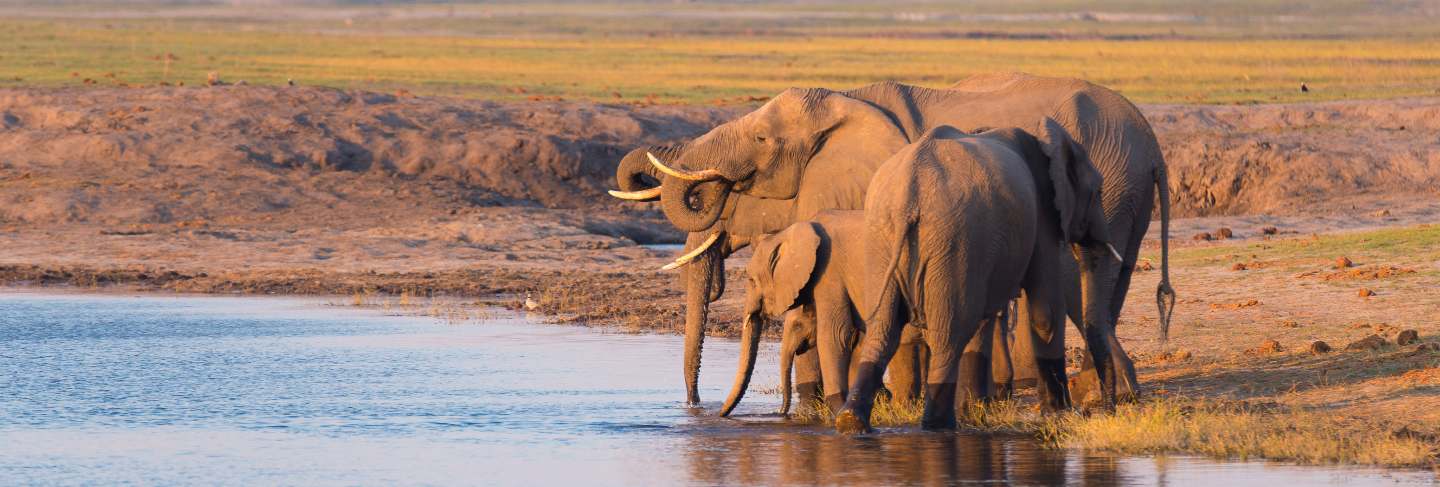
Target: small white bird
x=530, y=304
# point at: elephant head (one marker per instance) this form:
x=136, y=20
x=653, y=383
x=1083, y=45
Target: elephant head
x=804, y=151
x=780, y=270
x=767, y=153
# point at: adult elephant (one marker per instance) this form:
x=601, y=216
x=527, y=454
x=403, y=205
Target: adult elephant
x=956, y=226
x=809, y=150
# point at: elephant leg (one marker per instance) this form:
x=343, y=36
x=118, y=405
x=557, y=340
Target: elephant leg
x=973, y=382
x=882, y=338
x=835, y=338
x=1045, y=307
x=905, y=368
x=1001, y=368
x=953, y=318
x=1023, y=373
x=1129, y=387
x=807, y=378
x=1100, y=283
x=940, y=382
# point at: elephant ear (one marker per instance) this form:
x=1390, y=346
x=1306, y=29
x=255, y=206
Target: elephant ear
x=792, y=264
x=1076, y=182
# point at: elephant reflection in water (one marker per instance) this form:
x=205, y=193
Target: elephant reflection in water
x=806, y=458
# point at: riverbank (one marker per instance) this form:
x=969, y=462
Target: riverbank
x=379, y=199
x=1245, y=351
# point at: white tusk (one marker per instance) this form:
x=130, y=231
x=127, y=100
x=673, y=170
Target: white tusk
x=691, y=255
x=642, y=195
x=705, y=175
x=1114, y=252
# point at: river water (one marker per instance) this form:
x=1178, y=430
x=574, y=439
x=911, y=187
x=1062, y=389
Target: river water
x=215, y=390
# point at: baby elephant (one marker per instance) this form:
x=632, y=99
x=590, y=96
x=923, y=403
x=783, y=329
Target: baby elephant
x=956, y=225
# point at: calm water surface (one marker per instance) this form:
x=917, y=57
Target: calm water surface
x=205, y=390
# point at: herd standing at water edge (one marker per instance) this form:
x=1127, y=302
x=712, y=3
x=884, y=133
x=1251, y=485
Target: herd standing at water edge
x=893, y=225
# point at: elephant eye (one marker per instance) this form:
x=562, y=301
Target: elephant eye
x=760, y=139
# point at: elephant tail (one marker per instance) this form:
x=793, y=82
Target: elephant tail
x=1164, y=294
x=895, y=282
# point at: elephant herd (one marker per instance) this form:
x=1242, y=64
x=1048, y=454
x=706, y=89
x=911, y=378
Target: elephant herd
x=894, y=225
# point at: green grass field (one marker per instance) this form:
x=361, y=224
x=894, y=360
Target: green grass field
x=665, y=53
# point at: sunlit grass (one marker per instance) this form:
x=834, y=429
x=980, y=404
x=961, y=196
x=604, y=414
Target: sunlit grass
x=1411, y=245
x=1239, y=432
x=706, y=69
x=1181, y=426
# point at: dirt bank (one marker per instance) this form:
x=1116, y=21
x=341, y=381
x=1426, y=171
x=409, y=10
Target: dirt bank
x=315, y=190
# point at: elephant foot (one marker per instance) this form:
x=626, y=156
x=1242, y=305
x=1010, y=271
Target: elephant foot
x=1055, y=393
x=974, y=378
x=1127, y=388
x=835, y=402
x=939, y=407
x=849, y=423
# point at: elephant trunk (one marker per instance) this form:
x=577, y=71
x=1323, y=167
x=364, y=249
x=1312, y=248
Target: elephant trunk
x=693, y=206
x=701, y=288
x=789, y=344
x=637, y=179
x=749, y=348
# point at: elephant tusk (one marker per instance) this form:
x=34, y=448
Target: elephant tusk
x=705, y=175
x=642, y=195
x=1114, y=252
x=691, y=255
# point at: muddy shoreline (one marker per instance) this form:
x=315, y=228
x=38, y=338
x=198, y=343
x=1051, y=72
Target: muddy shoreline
x=378, y=197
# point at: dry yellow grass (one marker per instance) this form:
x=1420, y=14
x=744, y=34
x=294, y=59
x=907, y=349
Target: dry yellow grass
x=1240, y=432
x=707, y=69
x=1177, y=426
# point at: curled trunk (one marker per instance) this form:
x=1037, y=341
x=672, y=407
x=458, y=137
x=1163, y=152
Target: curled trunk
x=635, y=173
x=693, y=206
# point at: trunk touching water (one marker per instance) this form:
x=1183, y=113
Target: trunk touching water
x=789, y=343
x=698, y=287
x=749, y=349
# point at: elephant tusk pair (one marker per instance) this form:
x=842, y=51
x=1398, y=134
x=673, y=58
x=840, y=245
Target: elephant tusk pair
x=691, y=255
x=1114, y=252
x=705, y=175
x=642, y=195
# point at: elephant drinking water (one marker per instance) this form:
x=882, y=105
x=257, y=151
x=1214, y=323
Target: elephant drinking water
x=809, y=150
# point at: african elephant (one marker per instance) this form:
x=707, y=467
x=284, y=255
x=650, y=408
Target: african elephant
x=809, y=150
x=810, y=273
x=956, y=226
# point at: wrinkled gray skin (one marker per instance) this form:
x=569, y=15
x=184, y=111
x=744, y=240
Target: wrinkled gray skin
x=956, y=226
x=811, y=273
x=811, y=150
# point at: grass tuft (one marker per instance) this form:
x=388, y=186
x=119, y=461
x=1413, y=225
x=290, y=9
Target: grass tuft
x=1195, y=427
